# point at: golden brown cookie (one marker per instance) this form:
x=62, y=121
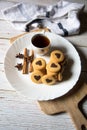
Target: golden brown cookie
x=53, y=67
x=60, y=76
x=52, y=73
x=36, y=77
x=57, y=56
x=39, y=64
x=43, y=71
x=48, y=79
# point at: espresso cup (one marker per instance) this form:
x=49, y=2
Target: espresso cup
x=40, y=44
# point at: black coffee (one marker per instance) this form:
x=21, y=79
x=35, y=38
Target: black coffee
x=40, y=41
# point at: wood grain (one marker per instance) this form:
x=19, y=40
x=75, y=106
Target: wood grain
x=19, y=113
x=68, y=103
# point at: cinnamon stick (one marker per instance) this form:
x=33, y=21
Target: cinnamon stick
x=30, y=63
x=25, y=62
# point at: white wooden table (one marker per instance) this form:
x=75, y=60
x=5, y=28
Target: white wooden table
x=19, y=113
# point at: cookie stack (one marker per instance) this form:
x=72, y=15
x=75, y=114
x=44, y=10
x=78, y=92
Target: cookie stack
x=51, y=72
x=39, y=69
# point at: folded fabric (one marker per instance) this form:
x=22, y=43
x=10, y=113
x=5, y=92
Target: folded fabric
x=60, y=19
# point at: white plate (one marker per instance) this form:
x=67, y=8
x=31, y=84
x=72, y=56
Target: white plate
x=24, y=85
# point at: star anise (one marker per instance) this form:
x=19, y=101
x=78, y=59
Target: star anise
x=19, y=55
x=19, y=66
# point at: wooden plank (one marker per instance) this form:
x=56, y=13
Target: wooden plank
x=4, y=46
x=7, y=30
x=4, y=84
x=83, y=56
x=19, y=113
x=78, y=40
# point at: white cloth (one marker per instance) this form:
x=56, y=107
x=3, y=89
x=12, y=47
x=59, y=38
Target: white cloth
x=59, y=19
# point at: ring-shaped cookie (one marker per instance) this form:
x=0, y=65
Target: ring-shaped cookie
x=48, y=79
x=57, y=56
x=36, y=77
x=39, y=64
x=53, y=67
